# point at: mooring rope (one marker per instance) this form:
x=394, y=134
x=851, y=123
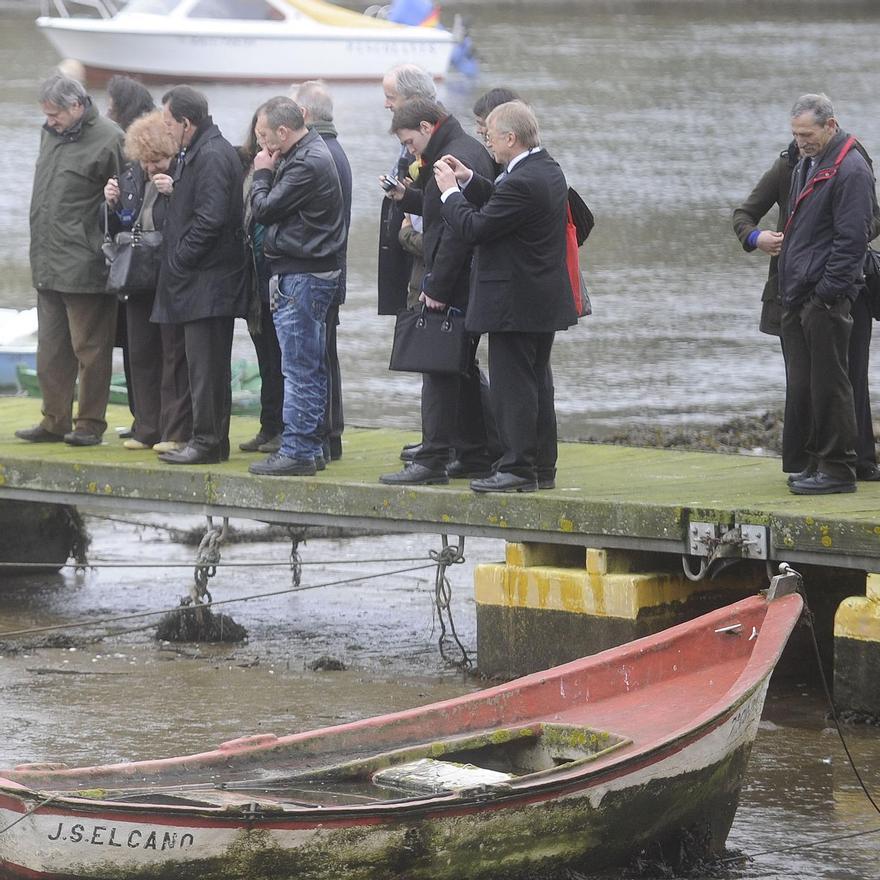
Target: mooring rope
x=450, y=554
x=808, y=618
x=80, y=624
x=98, y=564
x=32, y=810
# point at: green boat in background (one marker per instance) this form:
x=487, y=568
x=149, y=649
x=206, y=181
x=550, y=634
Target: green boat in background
x=245, y=387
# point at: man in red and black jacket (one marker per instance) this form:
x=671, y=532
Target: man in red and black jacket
x=831, y=205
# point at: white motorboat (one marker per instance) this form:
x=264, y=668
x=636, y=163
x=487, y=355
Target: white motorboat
x=242, y=40
x=18, y=345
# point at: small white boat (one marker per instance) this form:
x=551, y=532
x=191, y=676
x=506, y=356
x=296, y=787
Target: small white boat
x=18, y=345
x=241, y=40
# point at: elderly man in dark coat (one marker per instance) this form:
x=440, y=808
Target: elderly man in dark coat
x=203, y=281
x=79, y=150
x=520, y=290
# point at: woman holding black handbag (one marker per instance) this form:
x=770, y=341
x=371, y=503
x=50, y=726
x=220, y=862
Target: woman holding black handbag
x=137, y=201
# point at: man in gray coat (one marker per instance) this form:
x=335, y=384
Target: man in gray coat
x=79, y=151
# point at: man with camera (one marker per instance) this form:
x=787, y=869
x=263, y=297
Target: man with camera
x=297, y=197
x=452, y=412
x=79, y=150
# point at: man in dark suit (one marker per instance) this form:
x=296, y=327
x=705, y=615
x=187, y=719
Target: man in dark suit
x=520, y=291
x=452, y=412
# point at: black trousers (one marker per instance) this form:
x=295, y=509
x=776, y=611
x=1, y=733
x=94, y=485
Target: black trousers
x=521, y=388
x=334, y=420
x=271, y=380
x=819, y=393
x=452, y=418
x=144, y=374
x=208, y=344
x=175, y=418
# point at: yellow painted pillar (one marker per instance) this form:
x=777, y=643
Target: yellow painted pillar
x=857, y=651
x=550, y=603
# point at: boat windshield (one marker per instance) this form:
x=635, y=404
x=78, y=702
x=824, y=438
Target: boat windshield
x=251, y=10
x=151, y=7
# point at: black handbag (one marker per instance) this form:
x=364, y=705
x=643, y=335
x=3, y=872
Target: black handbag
x=428, y=341
x=133, y=258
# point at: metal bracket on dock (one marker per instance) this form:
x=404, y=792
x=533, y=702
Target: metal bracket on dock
x=721, y=541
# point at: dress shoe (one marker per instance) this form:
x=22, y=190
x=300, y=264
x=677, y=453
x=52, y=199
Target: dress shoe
x=254, y=444
x=38, y=434
x=280, y=465
x=191, y=455
x=504, y=482
x=822, y=484
x=273, y=444
x=801, y=475
x=169, y=446
x=131, y=443
x=415, y=474
x=82, y=438
x=869, y=473
x=463, y=470
x=410, y=451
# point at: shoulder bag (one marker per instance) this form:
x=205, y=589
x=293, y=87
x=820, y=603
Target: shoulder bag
x=133, y=257
x=428, y=341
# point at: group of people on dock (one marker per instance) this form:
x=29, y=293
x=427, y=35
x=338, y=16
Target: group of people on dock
x=261, y=231
x=477, y=226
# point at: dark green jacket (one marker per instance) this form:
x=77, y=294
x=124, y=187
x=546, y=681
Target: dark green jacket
x=66, y=234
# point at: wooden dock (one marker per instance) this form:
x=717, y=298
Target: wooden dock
x=607, y=496
x=576, y=577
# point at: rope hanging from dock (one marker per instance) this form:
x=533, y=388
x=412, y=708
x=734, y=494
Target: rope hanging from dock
x=449, y=554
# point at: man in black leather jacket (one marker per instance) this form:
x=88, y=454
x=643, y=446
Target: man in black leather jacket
x=297, y=197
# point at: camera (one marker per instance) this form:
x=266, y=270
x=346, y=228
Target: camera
x=389, y=183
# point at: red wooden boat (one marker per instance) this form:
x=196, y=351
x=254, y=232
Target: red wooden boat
x=577, y=767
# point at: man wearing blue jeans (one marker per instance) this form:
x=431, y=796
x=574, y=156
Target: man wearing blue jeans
x=297, y=197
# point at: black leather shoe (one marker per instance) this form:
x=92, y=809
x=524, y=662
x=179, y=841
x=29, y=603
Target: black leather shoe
x=869, y=473
x=273, y=444
x=254, y=444
x=503, y=482
x=191, y=455
x=462, y=470
x=38, y=434
x=802, y=475
x=280, y=465
x=82, y=438
x=822, y=484
x=410, y=451
x=415, y=474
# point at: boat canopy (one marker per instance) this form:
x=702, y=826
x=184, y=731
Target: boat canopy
x=257, y=10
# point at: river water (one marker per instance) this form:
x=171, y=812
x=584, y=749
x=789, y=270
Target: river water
x=663, y=116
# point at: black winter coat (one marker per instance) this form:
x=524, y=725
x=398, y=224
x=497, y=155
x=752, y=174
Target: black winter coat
x=519, y=281
x=827, y=236
x=447, y=256
x=203, y=273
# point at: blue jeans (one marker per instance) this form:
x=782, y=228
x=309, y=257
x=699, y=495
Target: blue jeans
x=303, y=301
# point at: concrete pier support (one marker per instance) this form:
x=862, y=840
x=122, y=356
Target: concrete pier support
x=857, y=651
x=550, y=603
